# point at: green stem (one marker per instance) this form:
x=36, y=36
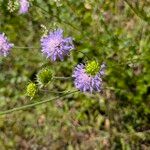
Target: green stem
x=34, y=104
x=57, y=17
x=23, y=47
x=62, y=78
x=140, y=14
x=47, y=90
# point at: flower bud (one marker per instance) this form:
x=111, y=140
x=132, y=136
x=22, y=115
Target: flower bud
x=13, y=5
x=44, y=76
x=31, y=89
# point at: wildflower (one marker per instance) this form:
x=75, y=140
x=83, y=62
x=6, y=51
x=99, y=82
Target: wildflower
x=44, y=76
x=31, y=89
x=54, y=46
x=24, y=6
x=88, y=78
x=5, y=46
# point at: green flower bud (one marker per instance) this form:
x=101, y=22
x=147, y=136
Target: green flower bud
x=44, y=76
x=31, y=89
x=92, y=67
x=13, y=5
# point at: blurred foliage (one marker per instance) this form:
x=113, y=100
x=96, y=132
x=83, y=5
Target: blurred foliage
x=116, y=32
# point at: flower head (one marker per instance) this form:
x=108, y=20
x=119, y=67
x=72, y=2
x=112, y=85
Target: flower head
x=88, y=78
x=54, y=46
x=31, y=90
x=92, y=67
x=44, y=76
x=24, y=6
x=5, y=46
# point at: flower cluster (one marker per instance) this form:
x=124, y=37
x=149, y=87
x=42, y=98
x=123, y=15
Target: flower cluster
x=88, y=78
x=22, y=5
x=5, y=46
x=55, y=46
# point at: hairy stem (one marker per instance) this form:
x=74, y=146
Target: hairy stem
x=35, y=104
x=62, y=78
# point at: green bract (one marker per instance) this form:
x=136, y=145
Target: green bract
x=44, y=76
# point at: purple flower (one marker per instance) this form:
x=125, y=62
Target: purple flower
x=5, y=46
x=55, y=46
x=24, y=6
x=86, y=82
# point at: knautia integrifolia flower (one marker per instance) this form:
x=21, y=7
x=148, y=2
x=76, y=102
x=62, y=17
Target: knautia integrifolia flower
x=24, y=6
x=55, y=46
x=88, y=78
x=5, y=46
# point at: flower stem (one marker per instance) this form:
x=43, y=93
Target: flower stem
x=36, y=5
x=35, y=104
x=62, y=78
x=23, y=47
x=141, y=14
x=47, y=90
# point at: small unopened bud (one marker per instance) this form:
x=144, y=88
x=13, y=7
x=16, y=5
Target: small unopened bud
x=44, y=76
x=31, y=89
x=44, y=30
x=12, y=5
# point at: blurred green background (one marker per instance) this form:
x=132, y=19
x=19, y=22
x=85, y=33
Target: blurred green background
x=113, y=31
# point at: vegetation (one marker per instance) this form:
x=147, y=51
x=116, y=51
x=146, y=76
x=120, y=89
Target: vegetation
x=56, y=115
